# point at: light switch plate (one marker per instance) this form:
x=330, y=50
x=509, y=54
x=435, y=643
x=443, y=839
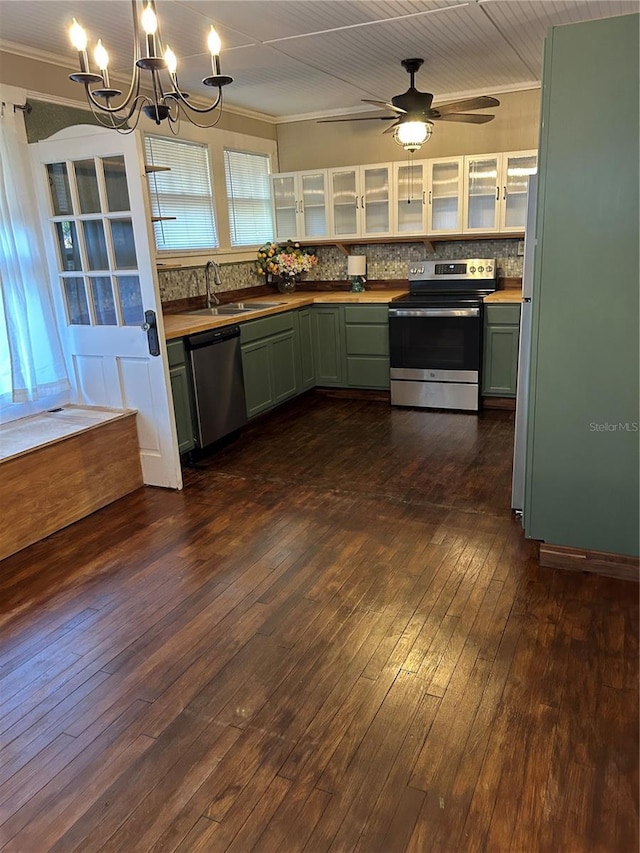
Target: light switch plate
x=520, y=249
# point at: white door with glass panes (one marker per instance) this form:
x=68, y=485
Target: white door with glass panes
x=517, y=167
x=99, y=242
x=300, y=207
x=361, y=200
x=376, y=200
x=444, y=195
x=410, y=192
x=482, y=193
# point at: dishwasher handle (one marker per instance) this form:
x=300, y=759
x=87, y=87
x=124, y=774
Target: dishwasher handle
x=211, y=336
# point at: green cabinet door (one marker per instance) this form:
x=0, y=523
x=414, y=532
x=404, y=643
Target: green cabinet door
x=282, y=362
x=181, y=393
x=258, y=387
x=328, y=345
x=305, y=365
x=500, y=358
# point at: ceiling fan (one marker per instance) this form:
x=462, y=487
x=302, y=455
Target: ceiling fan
x=413, y=115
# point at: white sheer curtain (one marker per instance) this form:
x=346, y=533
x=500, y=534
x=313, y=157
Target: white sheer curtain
x=32, y=368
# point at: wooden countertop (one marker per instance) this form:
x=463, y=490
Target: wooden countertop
x=179, y=325
x=512, y=295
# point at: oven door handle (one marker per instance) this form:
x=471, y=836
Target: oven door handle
x=434, y=312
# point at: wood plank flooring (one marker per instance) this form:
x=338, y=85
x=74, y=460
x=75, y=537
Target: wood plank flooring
x=334, y=639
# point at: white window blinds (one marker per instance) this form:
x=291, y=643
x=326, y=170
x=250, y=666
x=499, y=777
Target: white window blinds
x=184, y=192
x=248, y=197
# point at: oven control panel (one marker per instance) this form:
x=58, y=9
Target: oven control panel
x=470, y=269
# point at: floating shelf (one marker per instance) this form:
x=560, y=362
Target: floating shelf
x=157, y=169
x=162, y=218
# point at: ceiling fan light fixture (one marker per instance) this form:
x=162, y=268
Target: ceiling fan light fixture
x=413, y=134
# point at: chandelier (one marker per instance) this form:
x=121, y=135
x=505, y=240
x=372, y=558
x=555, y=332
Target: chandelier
x=412, y=134
x=165, y=99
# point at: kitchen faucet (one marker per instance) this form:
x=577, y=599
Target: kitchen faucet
x=212, y=266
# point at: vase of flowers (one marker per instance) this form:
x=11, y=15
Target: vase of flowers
x=285, y=262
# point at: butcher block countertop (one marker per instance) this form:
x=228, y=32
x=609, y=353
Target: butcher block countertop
x=179, y=325
x=512, y=295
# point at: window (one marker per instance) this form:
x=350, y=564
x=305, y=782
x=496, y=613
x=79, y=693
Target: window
x=248, y=197
x=183, y=191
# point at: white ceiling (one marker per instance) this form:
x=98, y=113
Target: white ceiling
x=305, y=58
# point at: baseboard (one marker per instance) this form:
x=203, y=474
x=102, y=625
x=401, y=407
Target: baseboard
x=507, y=403
x=356, y=394
x=619, y=566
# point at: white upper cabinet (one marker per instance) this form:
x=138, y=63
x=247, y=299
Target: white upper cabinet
x=444, y=199
x=495, y=191
x=361, y=201
x=410, y=192
x=300, y=209
x=482, y=194
x=516, y=168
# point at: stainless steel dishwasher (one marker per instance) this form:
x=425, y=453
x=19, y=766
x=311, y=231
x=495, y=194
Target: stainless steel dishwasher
x=218, y=385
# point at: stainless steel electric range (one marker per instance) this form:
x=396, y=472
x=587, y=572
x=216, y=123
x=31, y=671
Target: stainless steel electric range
x=435, y=334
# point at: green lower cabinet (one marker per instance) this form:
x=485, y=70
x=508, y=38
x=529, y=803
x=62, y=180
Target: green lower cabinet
x=305, y=363
x=269, y=361
x=181, y=393
x=500, y=359
x=328, y=345
x=367, y=346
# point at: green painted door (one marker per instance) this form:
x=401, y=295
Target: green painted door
x=500, y=358
x=582, y=440
x=282, y=363
x=257, y=377
x=328, y=345
x=181, y=393
x=305, y=360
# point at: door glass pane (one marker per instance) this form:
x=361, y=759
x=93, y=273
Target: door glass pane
x=376, y=199
x=483, y=184
x=410, y=198
x=130, y=300
x=103, y=305
x=314, y=205
x=445, y=195
x=76, y=299
x=87, y=183
x=284, y=199
x=344, y=203
x=59, y=188
x=518, y=171
x=68, y=246
x=95, y=245
x=115, y=178
x=124, y=249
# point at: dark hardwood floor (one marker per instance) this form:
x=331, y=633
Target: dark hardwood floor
x=334, y=639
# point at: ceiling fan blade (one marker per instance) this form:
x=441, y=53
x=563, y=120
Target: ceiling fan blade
x=471, y=118
x=392, y=127
x=358, y=118
x=480, y=103
x=385, y=106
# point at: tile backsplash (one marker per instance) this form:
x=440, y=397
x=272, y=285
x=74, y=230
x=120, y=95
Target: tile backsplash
x=385, y=261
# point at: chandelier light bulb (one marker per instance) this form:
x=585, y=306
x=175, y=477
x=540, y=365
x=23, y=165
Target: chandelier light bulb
x=413, y=134
x=170, y=59
x=213, y=42
x=149, y=20
x=78, y=36
x=101, y=56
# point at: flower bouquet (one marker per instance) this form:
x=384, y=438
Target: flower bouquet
x=285, y=262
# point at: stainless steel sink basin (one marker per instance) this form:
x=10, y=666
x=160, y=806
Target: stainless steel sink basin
x=234, y=308
x=221, y=311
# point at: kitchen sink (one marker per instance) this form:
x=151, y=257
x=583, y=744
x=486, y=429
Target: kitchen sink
x=220, y=311
x=234, y=308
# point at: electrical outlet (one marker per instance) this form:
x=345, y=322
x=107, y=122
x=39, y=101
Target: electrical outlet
x=520, y=249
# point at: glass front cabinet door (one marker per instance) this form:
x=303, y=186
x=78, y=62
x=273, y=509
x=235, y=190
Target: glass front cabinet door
x=345, y=201
x=300, y=205
x=516, y=169
x=410, y=185
x=375, y=200
x=482, y=193
x=444, y=198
